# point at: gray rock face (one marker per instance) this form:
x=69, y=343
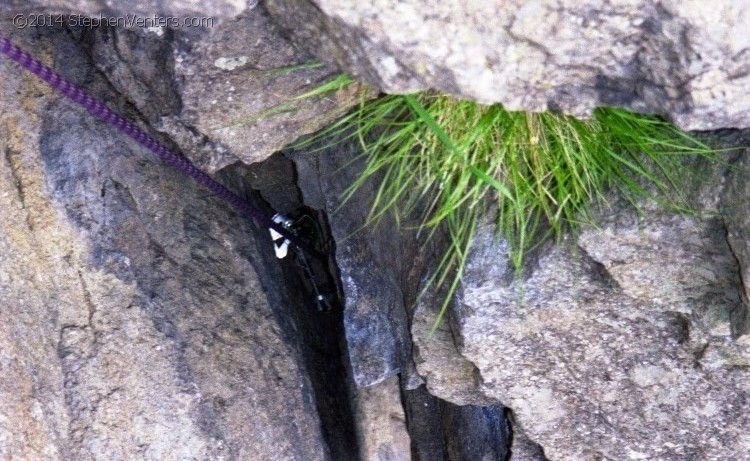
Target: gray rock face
x=237, y=86
x=380, y=415
x=139, y=320
x=629, y=342
x=447, y=373
x=687, y=60
x=223, y=93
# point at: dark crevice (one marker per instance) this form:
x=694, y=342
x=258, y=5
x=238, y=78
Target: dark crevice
x=423, y=424
x=271, y=186
x=398, y=260
x=441, y=430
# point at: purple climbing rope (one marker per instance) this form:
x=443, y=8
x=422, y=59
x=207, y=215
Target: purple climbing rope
x=175, y=159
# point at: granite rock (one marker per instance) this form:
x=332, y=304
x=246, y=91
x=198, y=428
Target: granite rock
x=688, y=60
x=616, y=337
x=237, y=87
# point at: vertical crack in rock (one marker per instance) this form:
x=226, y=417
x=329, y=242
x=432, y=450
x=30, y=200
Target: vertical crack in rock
x=374, y=260
x=384, y=266
x=271, y=185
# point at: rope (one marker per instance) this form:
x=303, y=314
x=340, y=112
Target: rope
x=177, y=160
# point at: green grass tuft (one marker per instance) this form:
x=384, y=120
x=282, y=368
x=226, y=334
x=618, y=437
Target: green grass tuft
x=534, y=171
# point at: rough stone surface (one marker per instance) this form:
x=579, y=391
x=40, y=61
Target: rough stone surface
x=737, y=222
x=137, y=318
x=380, y=415
x=425, y=429
x=689, y=60
x=458, y=383
x=148, y=290
x=238, y=85
x=475, y=433
x=223, y=93
x=447, y=374
x=629, y=342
